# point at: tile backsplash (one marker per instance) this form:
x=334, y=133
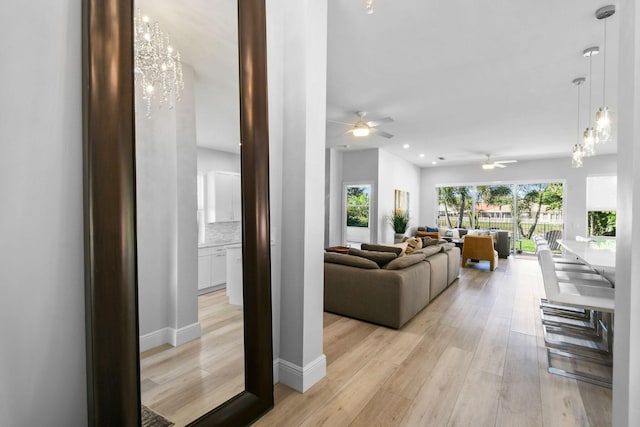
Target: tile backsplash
x=223, y=232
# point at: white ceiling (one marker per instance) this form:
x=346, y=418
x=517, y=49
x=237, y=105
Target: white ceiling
x=205, y=32
x=460, y=79
x=466, y=78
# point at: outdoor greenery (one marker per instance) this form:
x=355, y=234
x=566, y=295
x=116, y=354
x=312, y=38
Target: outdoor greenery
x=357, y=206
x=399, y=220
x=602, y=223
x=532, y=200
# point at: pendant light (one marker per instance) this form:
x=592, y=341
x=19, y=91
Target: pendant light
x=577, y=152
x=590, y=132
x=604, y=116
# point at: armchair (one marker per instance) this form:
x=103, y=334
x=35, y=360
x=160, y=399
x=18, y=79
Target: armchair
x=480, y=248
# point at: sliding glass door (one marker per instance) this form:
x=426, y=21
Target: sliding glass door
x=525, y=210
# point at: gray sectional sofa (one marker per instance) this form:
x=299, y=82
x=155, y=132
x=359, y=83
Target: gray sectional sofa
x=385, y=288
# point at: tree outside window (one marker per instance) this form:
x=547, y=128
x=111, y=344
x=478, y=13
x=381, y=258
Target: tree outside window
x=358, y=206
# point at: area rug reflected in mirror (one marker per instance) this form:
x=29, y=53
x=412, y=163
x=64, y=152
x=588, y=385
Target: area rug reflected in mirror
x=151, y=419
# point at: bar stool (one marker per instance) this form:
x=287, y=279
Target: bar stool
x=596, y=347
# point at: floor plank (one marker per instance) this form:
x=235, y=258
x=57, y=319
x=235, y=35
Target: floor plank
x=474, y=357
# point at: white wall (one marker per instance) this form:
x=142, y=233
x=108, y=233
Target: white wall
x=333, y=198
x=42, y=324
x=395, y=173
x=531, y=171
x=166, y=220
x=275, y=75
x=626, y=362
x=216, y=160
x=360, y=167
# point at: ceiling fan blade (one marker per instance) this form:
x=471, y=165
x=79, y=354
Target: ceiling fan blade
x=378, y=122
x=349, y=131
x=381, y=133
x=506, y=161
x=340, y=123
x=499, y=165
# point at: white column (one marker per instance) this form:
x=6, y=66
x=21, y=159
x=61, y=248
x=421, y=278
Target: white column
x=302, y=362
x=187, y=325
x=626, y=373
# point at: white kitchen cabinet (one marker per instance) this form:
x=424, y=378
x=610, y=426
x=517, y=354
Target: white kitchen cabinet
x=234, y=274
x=223, y=196
x=212, y=267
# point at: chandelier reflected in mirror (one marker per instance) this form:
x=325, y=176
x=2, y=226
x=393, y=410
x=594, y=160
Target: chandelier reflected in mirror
x=157, y=65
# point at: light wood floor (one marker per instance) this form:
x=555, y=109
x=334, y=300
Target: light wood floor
x=475, y=357
x=182, y=383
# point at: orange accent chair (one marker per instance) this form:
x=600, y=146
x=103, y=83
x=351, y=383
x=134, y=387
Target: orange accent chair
x=480, y=248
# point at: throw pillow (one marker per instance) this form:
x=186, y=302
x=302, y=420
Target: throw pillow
x=338, y=249
x=381, y=248
x=413, y=244
x=404, y=262
x=350, y=260
x=431, y=229
x=380, y=258
x=429, y=241
x=403, y=247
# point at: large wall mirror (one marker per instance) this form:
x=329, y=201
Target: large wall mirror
x=178, y=300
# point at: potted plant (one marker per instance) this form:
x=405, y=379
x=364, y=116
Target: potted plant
x=399, y=221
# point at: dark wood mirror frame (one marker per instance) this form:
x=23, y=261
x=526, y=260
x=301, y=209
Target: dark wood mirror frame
x=113, y=366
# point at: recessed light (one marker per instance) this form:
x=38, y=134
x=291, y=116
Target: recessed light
x=434, y=163
x=406, y=146
x=421, y=155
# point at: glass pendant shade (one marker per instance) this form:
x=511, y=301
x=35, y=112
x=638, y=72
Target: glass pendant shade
x=603, y=125
x=589, y=142
x=577, y=156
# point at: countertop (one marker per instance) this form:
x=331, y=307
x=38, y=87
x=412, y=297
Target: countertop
x=218, y=244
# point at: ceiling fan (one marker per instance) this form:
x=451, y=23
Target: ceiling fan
x=490, y=164
x=362, y=128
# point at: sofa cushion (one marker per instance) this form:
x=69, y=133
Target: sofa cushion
x=413, y=244
x=447, y=246
x=381, y=248
x=429, y=250
x=405, y=261
x=380, y=258
x=350, y=260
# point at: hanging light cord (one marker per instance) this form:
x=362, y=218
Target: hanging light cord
x=590, y=85
x=578, y=127
x=604, y=69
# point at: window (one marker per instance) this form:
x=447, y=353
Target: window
x=601, y=205
x=358, y=205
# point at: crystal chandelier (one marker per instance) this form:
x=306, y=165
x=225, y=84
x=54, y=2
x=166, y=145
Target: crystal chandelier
x=577, y=152
x=603, y=116
x=369, y=7
x=158, y=69
x=590, y=132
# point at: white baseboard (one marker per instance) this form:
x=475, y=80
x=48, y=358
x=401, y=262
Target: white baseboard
x=172, y=336
x=276, y=370
x=185, y=334
x=154, y=339
x=301, y=378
